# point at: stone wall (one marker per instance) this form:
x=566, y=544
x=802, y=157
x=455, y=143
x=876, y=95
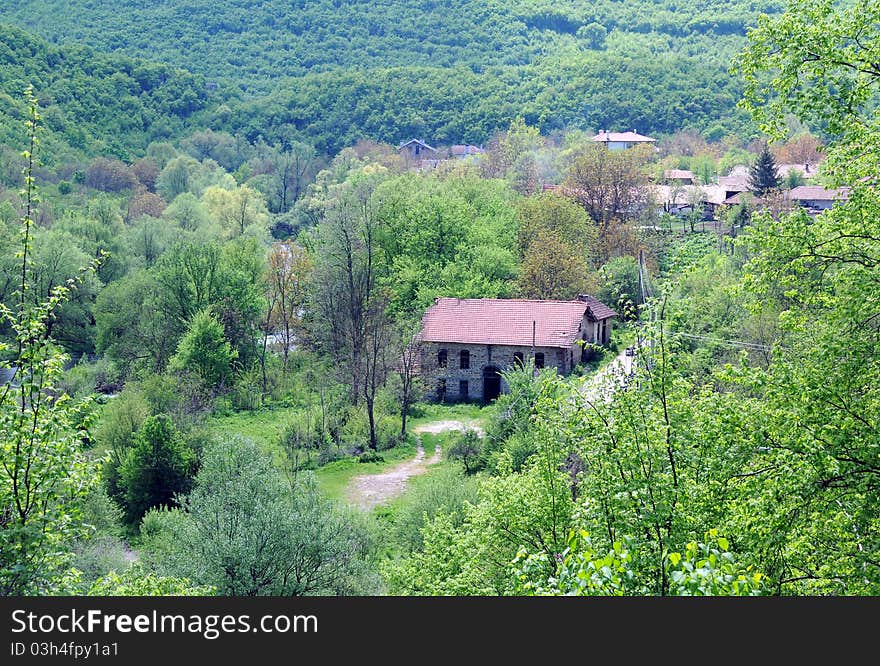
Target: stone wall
x=481, y=356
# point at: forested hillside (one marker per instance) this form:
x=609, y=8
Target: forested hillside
x=92, y=103
x=451, y=71
x=214, y=264
x=258, y=41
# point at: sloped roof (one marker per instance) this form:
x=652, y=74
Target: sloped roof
x=678, y=174
x=416, y=141
x=817, y=193
x=807, y=169
x=713, y=194
x=458, y=150
x=734, y=182
x=493, y=321
x=628, y=137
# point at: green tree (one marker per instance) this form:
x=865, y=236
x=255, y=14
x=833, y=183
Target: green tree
x=469, y=450
x=247, y=532
x=552, y=269
x=763, y=177
x=794, y=178
x=205, y=352
x=45, y=475
x=619, y=286
x=559, y=217
x=131, y=327
x=155, y=469
x=820, y=532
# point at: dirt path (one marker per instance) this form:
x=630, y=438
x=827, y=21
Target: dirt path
x=369, y=490
x=606, y=381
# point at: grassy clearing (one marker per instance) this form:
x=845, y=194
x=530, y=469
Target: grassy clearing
x=333, y=478
x=427, y=413
x=264, y=426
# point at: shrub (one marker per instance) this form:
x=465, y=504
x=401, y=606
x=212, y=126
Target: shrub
x=444, y=491
x=158, y=467
x=468, y=448
x=370, y=456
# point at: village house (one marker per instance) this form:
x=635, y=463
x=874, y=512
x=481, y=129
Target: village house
x=681, y=199
x=464, y=152
x=621, y=140
x=417, y=150
x=815, y=198
x=674, y=177
x=467, y=343
x=419, y=155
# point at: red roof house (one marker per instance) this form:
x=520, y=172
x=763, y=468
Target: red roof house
x=466, y=343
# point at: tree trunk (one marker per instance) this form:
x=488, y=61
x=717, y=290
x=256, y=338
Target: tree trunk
x=374, y=443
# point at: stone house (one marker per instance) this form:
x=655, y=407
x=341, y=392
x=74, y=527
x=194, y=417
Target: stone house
x=467, y=343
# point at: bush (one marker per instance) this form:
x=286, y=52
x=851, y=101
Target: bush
x=99, y=555
x=444, y=491
x=85, y=378
x=520, y=450
x=158, y=467
x=370, y=457
x=468, y=448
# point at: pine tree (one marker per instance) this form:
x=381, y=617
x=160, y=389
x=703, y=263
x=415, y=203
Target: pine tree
x=763, y=177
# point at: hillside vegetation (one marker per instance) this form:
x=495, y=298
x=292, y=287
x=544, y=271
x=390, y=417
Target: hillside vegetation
x=92, y=103
x=458, y=70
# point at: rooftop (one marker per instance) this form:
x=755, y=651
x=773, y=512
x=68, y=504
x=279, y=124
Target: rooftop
x=624, y=137
x=493, y=321
x=817, y=193
x=417, y=142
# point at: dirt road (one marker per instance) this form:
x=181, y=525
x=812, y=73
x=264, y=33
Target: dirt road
x=369, y=490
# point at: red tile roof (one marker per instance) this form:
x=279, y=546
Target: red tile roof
x=491, y=321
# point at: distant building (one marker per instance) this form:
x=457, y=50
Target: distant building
x=680, y=199
x=678, y=177
x=816, y=199
x=806, y=169
x=416, y=150
x=735, y=182
x=467, y=343
x=621, y=140
x=461, y=152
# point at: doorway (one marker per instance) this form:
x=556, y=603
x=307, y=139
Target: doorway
x=491, y=383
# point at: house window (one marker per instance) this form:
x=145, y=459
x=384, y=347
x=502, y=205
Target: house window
x=465, y=359
x=539, y=360
x=463, y=389
x=441, y=390
x=441, y=358
x=518, y=360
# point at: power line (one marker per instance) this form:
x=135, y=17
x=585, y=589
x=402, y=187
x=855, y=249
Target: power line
x=734, y=343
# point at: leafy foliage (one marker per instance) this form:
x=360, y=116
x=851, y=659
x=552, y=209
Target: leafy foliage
x=246, y=532
x=45, y=475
